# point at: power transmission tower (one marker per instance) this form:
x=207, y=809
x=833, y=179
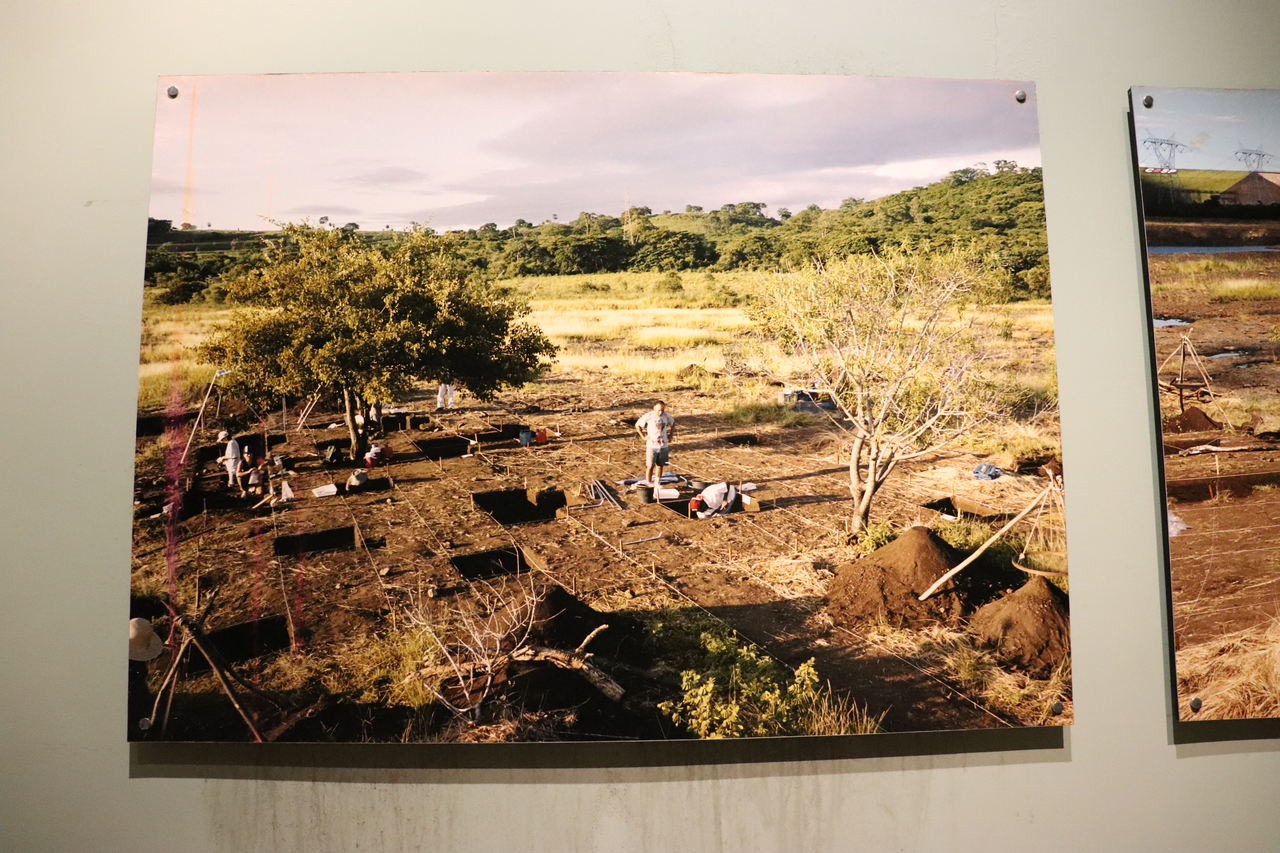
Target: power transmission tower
x=1253, y=158
x=1165, y=150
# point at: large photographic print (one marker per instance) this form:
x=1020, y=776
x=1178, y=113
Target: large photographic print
x=508, y=407
x=1210, y=194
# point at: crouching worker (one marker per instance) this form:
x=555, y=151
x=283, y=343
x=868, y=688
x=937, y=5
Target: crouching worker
x=716, y=499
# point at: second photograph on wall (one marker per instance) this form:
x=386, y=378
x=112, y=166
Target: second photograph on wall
x=1208, y=169
x=510, y=407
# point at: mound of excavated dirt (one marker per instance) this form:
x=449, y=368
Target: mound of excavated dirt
x=887, y=583
x=1029, y=628
x=1193, y=419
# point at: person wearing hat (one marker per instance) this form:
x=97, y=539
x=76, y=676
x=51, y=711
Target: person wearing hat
x=144, y=646
x=231, y=459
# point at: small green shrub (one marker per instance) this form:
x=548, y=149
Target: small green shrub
x=671, y=283
x=873, y=536
x=741, y=693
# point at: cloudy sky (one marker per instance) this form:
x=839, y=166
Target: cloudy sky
x=456, y=150
x=1213, y=123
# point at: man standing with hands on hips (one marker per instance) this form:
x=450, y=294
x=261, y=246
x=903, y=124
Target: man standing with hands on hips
x=656, y=427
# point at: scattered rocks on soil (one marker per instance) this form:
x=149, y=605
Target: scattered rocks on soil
x=887, y=583
x=1029, y=628
x=1193, y=419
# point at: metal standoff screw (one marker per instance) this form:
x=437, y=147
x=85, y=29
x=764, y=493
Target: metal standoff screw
x=1020, y=96
x=1056, y=708
x=1196, y=704
x=172, y=91
x=1148, y=101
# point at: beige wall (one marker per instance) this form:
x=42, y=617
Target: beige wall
x=76, y=87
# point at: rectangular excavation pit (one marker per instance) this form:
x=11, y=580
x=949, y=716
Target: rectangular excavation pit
x=243, y=641
x=510, y=560
x=419, y=421
x=446, y=447
x=333, y=539
x=393, y=422
x=742, y=439
x=499, y=434
x=373, y=484
x=1195, y=489
x=518, y=506
x=247, y=441
x=680, y=506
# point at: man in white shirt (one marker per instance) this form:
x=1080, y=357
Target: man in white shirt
x=231, y=459
x=656, y=427
x=716, y=499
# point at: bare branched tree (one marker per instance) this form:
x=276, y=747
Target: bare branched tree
x=890, y=338
x=477, y=642
x=480, y=639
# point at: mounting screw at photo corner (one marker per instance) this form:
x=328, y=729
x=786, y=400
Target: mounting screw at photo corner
x=1056, y=708
x=1020, y=96
x=1148, y=101
x=1196, y=704
x=144, y=724
x=172, y=91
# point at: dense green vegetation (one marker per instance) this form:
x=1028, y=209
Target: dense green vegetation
x=999, y=212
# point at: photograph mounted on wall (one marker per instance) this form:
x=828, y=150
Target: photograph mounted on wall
x=511, y=407
x=1209, y=191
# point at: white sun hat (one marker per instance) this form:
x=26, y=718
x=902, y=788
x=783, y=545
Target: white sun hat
x=224, y=435
x=144, y=643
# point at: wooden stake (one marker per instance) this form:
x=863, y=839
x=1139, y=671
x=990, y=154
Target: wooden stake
x=1044, y=493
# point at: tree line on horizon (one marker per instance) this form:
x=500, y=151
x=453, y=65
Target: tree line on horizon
x=997, y=211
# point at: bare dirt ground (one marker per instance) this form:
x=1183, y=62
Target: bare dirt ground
x=762, y=573
x=1226, y=564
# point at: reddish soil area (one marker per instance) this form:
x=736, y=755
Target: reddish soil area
x=762, y=573
x=1226, y=563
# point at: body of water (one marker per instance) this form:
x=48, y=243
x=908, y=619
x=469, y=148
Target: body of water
x=1160, y=322
x=1207, y=250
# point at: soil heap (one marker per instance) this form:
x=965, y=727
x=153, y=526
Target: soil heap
x=1193, y=419
x=1029, y=628
x=887, y=583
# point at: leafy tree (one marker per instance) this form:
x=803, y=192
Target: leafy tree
x=334, y=312
x=888, y=337
x=673, y=250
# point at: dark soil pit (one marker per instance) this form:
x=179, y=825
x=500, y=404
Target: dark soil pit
x=680, y=506
x=517, y=506
x=333, y=539
x=393, y=423
x=1196, y=489
x=373, y=484
x=745, y=439
x=447, y=447
x=157, y=423
x=243, y=641
x=954, y=506
x=251, y=441
x=419, y=422
x=500, y=433
x=491, y=564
